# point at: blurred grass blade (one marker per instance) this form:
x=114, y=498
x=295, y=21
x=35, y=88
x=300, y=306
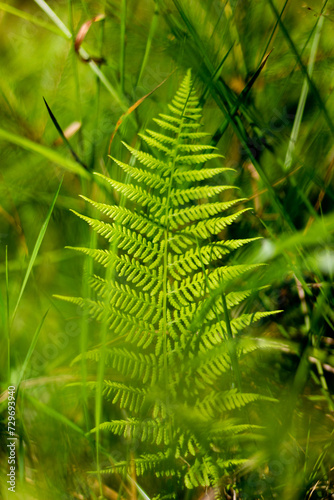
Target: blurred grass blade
x=48, y=153
x=36, y=249
x=312, y=86
x=141, y=492
x=102, y=77
x=30, y=18
x=150, y=36
x=221, y=130
x=62, y=135
x=303, y=97
x=215, y=75
x=132, y=108
x=82, y=52
x=54, y=414
x=320, y=232
x=44, y=6
x=122, y=51
x=224, y=99
x=7, y=320
x=30, y=351
x=275, y=28
x=254, y=77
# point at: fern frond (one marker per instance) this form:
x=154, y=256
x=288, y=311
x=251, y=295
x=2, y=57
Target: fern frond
x=227, y=401
x=196, y=159
x=182, y=196
x=148, y=160
x=179, y=217
x=203, y=473
x=134, y=193
x=162, y=138
x=159, y=463
x=128, y=363
x=135, y=244
x=153, y=431
x=194, y=259
x=155, y=143
x=126, y=217
x=193, y=287
x=177, y=121
x=127, y=396
x=127, y=299
x=170, y=300
x=204, y=229
x=192, y=113
x=240, y=323
x=140, y=175
x=199, y=175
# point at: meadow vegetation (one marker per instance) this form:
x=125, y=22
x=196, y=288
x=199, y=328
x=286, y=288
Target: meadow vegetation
x=245, y=412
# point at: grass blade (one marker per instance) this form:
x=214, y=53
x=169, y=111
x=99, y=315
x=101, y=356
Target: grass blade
x=223, y=97
x=30, y=351
x=131, y=109
x=7, y=316
x=122, y=52
x=62, y=135
x=153, y=27
x=48, y=153
x=82, y=52
x=49, y=12
x=30, y=18
x=303, y=97
x=303, y=68
x=55, y=414
x=35, y=251
x=242, y=97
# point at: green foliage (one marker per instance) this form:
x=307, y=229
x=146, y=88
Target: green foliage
x=270, y=112
x=166, y=261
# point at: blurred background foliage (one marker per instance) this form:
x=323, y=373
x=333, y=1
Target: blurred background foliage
x=265, y=74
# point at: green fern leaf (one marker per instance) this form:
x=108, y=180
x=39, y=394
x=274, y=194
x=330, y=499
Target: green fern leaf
x=170, y=303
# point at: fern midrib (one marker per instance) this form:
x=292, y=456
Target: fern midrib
x=165, y=257
x=167, y=230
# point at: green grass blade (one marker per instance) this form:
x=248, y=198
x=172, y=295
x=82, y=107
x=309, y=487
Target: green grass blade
x=312, y=86
x=103, y=79
x=30, y=351
x=7, y=316
x=223, y=127
x=48, y=153
x=151, y=32
x=274, y=28
x=303, y=97
x=122, y=51
x=30, y=18
x=75, y=65
x=223, y=97
x=320, y=231
x=49, y=12
x=54, y=414
x=35, y=250
x=140, y=490
x=83, y=53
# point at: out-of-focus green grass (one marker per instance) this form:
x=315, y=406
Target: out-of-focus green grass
x=283, y=161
